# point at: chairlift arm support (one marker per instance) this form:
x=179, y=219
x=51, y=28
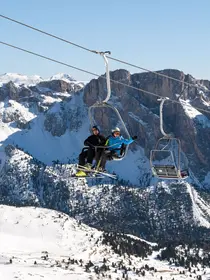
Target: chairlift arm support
x=107, y=78
x=108, y=85
x=162, y=100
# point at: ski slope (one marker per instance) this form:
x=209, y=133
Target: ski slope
x=40, y=244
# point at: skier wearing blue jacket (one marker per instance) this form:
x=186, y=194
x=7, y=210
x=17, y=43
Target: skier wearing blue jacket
x=114, y=143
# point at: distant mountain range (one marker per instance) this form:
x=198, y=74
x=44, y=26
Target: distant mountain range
x=19, y=79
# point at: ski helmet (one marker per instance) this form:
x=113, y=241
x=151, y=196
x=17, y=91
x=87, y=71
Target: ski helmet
x=116, y=129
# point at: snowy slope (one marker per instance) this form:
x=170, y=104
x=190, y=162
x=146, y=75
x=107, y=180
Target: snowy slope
x=201, y=210
x=45, y=244
x=195, y=114
x=104, y=203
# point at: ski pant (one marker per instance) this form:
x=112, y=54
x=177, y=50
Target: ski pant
x=98, y=155
x=88, y=154
x=106, y=155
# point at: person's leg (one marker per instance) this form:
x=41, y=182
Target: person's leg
x=82, y=157
x=98, y=155
x=105, y=155
x=90, y=155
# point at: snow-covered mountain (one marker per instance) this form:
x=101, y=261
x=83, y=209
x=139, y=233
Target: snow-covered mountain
x=67, y=78
x=62, y=76
x=39, y=243
x=43, y=127
x=19, y=79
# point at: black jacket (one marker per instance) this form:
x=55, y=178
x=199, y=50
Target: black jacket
x=95, y=140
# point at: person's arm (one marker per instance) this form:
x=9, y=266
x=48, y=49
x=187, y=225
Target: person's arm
x=129, y=141
x=87, y=142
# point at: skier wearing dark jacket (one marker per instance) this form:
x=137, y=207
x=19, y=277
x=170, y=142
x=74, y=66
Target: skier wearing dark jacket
x=96, y=139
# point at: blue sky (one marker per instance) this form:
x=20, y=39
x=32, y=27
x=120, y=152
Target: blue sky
x=155, y=34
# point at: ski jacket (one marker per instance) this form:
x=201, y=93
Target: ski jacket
x=95, y=140
x=115, y=143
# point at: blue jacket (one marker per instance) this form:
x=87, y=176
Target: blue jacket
x=116, y=143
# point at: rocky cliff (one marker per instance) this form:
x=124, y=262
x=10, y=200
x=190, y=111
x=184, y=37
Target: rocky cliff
x=140, y=111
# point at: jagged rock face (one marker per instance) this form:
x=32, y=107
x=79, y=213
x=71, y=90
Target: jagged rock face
x=10, y=150
x=55, y=124
x=59, y=86
x=12, y=115
x=65, y=117
x=3, y=93
x=55, y=85
x=140, y=111
x=8, y=90
x=206, y=83
x=25, y=93
x=53, y=88
x=42, y=97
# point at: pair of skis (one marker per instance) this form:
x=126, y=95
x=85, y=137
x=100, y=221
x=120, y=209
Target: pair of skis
x=93, y=173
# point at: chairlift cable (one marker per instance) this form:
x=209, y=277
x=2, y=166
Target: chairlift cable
x=96, y=52
x=97, y=75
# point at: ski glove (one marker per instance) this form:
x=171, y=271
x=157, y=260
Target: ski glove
x=134, y=137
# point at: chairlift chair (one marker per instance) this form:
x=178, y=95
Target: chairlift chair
x=111, y=112
x=165, y=158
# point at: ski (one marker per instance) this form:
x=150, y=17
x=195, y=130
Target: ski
x=87, y=177
x=83, y=168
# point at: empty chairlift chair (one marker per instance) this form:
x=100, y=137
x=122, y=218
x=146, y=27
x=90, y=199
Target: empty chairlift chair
x=167, y=160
